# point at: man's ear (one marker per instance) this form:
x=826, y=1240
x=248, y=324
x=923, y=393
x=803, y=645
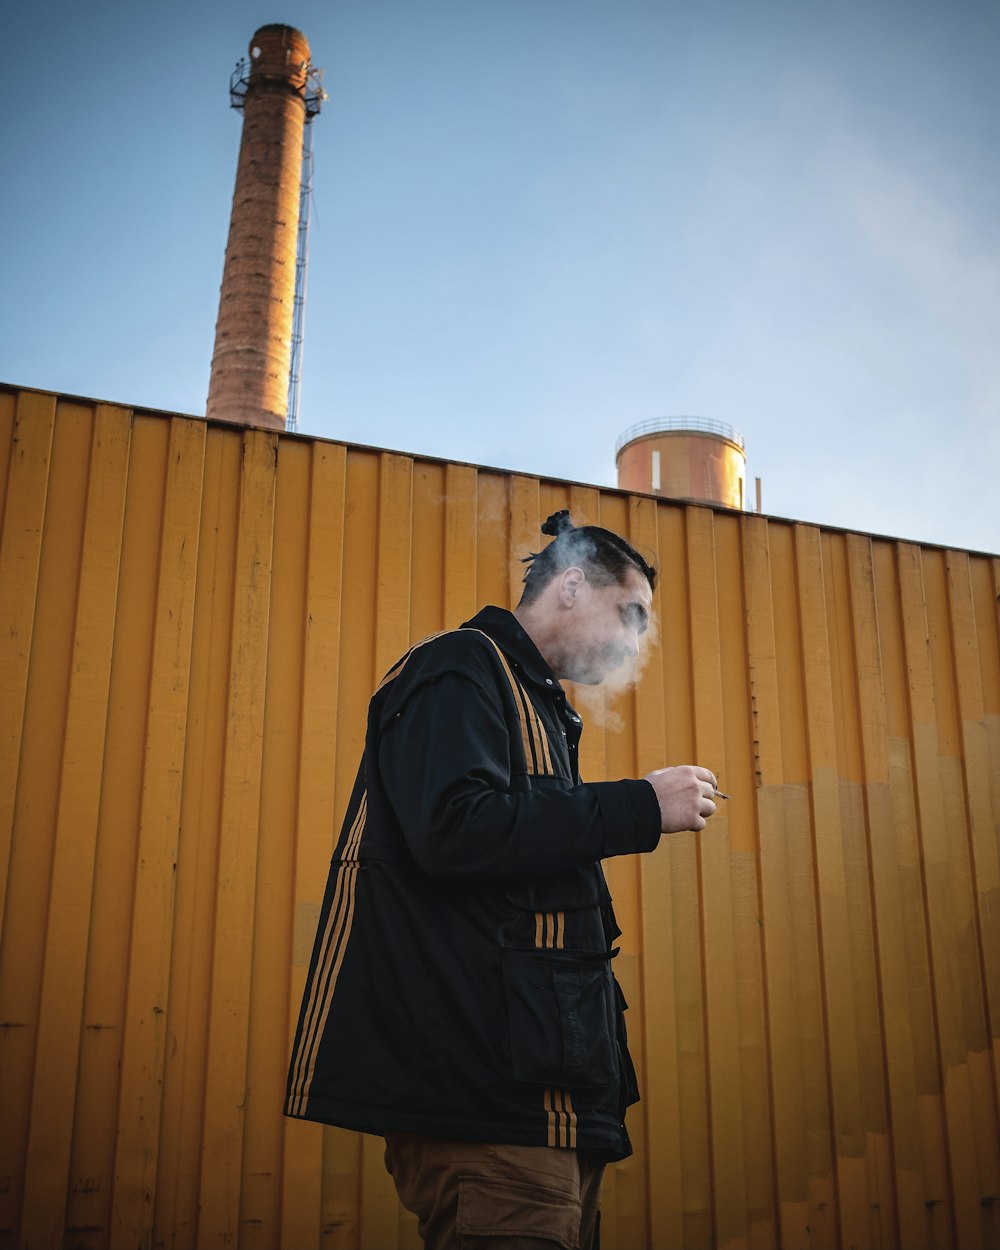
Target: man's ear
x=570, y=581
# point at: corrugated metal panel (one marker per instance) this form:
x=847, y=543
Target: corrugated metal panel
x=193, y=618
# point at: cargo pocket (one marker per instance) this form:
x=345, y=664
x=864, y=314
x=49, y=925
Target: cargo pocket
x=629, y=1083
x=561, y=1017
x=492, y=1207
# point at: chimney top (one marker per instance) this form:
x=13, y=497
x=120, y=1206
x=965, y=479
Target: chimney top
x=280, y=53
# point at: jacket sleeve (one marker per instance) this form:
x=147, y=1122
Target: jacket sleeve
x=444, y=763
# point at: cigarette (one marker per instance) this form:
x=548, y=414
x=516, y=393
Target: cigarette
x=719, y=795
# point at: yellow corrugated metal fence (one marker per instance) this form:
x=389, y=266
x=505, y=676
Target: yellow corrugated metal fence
x=192, y=617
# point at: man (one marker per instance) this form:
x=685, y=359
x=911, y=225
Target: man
x=460, y=1000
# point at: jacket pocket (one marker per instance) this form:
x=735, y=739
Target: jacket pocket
x=574, y=889
x=561, y=1016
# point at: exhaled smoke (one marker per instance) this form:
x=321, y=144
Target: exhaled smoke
x=578, y=548
x=600, y=704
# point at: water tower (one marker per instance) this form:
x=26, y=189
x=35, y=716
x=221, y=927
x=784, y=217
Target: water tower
x=684, y=458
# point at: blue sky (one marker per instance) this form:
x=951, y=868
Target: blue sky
x=537, y=222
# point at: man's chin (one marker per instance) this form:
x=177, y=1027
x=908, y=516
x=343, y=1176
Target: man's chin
x=590, y=676
x=596, y=673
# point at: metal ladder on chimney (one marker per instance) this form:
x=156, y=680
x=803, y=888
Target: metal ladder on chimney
x=301, y=263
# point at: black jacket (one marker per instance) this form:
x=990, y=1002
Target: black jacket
x=460, y=985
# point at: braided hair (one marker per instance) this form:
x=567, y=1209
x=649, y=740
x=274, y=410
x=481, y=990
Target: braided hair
x=604, y=556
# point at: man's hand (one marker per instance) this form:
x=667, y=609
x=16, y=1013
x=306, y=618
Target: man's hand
x=685, y=795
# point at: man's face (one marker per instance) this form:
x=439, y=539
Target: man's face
x=603, y=628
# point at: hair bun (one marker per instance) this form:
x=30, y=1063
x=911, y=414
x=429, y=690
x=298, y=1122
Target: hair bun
x=558, y=523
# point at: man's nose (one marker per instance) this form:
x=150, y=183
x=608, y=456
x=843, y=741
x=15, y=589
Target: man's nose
x=632, y=643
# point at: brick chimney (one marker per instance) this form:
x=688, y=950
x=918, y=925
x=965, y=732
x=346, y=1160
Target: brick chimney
x=253, y=332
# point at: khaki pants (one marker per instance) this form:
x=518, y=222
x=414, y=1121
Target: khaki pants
x=468, y=1196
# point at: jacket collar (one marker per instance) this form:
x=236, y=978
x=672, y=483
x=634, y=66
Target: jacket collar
x=508, y=633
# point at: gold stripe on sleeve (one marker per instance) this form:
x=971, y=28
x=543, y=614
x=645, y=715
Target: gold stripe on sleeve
x=328, y=964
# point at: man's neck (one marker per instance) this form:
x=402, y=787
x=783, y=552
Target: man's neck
x=535, y=625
